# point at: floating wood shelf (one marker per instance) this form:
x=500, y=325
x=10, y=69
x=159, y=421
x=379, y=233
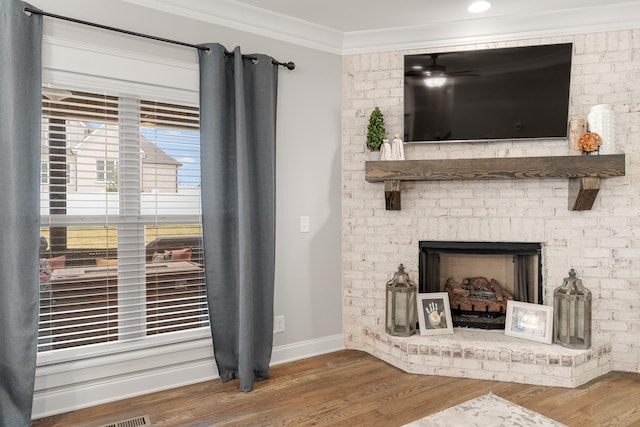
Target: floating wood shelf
x=584, y=173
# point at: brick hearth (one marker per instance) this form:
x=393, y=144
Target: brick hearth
x=490, y=355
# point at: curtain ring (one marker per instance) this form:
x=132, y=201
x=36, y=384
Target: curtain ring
x=207, y=50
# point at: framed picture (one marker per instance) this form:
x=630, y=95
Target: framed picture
x=529, y=321
x=434, y=314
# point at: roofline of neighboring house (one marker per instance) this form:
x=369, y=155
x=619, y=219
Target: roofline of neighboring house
x=153, y=153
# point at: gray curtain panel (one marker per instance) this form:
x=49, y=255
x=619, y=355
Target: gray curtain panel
x=20, y=88
x=237, y=133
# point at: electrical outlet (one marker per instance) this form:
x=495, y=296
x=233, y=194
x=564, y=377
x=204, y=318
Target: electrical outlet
x=278, y=324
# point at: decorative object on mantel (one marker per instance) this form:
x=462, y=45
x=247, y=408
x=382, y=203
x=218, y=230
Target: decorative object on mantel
x=589, y=142
x=577, y=128
x=602, y=121
x=385, y=150
x=375, y=130
x=401, y=305
x=584, y=173
x=397, y=148
x=572, y=318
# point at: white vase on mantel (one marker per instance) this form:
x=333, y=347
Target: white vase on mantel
x=602, y=120
x=385, y=150
x=397, y=148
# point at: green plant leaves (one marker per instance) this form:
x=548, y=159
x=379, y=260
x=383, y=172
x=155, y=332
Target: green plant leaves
x=375, y=130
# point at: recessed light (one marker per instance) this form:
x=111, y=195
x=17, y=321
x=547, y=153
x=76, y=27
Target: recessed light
x=479, y=6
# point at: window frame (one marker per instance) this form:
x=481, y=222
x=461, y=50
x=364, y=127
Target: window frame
x=142, y=220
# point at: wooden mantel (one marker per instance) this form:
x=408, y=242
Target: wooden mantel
x=584, y=173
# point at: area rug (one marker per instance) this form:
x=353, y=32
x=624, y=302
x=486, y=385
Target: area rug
x=486, y=411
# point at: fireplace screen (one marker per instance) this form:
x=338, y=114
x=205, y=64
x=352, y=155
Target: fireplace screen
x=480, y=277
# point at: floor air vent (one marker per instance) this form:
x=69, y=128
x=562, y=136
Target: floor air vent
x=140, y=421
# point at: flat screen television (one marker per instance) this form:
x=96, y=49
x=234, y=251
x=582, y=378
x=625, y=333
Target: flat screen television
x=487, y=95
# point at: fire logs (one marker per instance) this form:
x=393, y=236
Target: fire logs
x=478, y=294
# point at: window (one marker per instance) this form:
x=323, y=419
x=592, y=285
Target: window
x=106, y=170
x=44, y=173
x=121, y=238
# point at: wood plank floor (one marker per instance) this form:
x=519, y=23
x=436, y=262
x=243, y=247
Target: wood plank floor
x=352, y=388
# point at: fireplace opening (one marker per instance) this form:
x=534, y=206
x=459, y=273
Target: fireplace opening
x=480, y=277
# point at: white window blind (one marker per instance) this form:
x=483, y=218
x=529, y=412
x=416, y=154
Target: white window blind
x=121, y=239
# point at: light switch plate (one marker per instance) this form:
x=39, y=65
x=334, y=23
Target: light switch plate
x=304, y=224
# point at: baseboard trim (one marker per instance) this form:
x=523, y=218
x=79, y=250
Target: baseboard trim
x=142, y=380
x=303, y=349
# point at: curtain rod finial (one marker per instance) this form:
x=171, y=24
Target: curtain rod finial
x=288, y=65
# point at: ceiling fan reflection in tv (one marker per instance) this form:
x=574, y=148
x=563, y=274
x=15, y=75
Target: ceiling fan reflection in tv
x=433, y=74
x=487, y=95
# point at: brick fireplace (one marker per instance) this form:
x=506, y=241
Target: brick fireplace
x=505, y=270
x=602, y=244
x=479, y=348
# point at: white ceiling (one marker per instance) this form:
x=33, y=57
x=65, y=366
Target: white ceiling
x=351, y=26
x=363, y=15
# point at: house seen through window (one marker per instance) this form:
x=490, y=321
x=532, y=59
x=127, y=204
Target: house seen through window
x=121, y=254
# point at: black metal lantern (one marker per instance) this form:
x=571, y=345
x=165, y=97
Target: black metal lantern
x=572, y=314
x=401, y=305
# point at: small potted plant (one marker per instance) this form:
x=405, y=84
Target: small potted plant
x=375, y=130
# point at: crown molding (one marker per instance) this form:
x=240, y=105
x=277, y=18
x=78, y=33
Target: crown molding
x=514, y=27
x=239, y=16
x=254, y=20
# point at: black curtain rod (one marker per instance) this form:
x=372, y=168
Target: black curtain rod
x=28, y=10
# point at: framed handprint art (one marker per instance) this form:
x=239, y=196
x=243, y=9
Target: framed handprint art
x=434, y=313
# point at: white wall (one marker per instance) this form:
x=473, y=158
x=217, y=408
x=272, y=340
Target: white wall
x=308, y=265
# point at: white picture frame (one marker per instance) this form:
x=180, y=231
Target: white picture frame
x=532, y=322
x=434, y=313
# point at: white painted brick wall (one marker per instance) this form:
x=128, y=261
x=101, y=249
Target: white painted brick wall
x=602, y=244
